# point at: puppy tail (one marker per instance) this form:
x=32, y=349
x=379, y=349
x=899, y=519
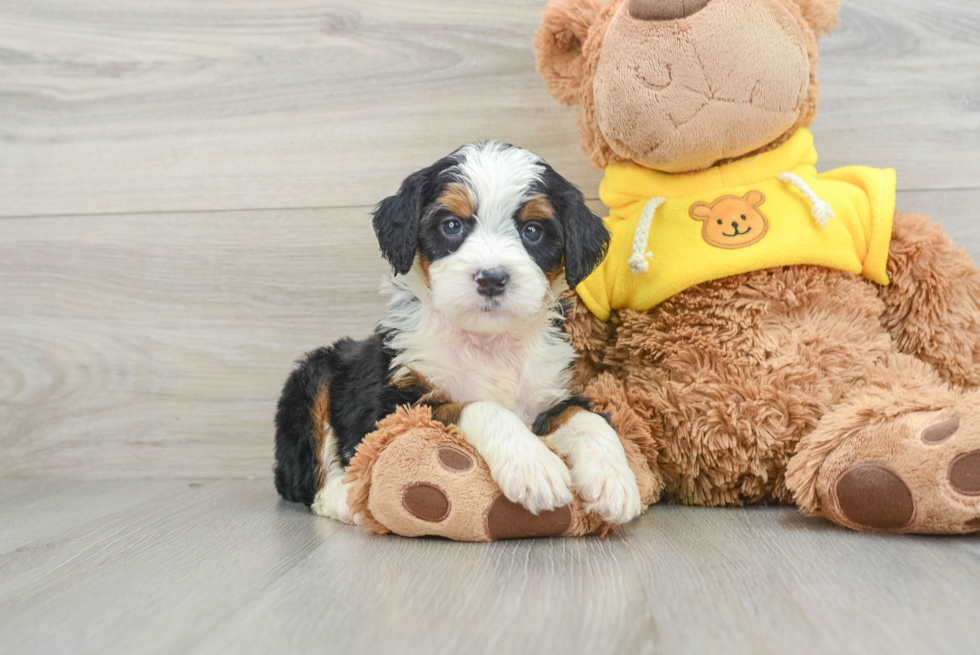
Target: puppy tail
x=302, y=418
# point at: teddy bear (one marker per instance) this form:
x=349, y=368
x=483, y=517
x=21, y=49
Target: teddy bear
x=759, y=332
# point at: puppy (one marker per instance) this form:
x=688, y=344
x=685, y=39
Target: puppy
x=482, y=244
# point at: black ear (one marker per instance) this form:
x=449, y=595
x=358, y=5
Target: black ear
x=585, y=236
x=396, y=223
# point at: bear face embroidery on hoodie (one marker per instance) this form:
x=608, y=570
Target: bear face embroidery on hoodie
x=732, y=222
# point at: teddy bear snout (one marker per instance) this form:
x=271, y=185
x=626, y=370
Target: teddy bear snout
x=665, y=9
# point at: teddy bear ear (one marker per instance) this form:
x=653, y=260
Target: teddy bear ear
x=558, y=45
x=820, y=14
x=755, y=198
x=701, y=211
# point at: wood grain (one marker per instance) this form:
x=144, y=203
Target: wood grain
x=154, y=577
x=157, y=345
x=119, y=107
x=151, y=345
x=226, y=567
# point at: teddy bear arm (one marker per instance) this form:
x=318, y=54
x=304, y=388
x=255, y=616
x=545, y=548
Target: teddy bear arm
x=591, y=339
x=932, y=306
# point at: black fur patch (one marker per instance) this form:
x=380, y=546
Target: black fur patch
x=295, y=470
x=584, y=236
x=434, y=243
x=549, y=251
x=397, y=219
x=542, y=424
x=360, y=396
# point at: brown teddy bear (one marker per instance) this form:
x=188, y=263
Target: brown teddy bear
x=759, y=332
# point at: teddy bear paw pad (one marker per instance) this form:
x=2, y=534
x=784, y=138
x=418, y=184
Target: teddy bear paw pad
x=918, y=472
x=875, y=497
x=940, y=432
x=427, y=502
x=964, y=474
x=508, y=520
x=455, y=460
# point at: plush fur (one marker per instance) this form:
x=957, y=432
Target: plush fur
x=797, y=384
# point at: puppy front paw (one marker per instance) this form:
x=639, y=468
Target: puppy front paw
x=607, y=486
x=534, y=477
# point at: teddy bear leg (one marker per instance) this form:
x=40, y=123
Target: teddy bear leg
x=932, y=306
x=901, y=455
x=415, y=476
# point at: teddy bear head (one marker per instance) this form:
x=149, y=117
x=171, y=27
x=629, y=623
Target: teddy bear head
x=682, y=85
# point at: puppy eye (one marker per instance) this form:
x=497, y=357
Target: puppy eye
x=532, y=232
x=452, y=227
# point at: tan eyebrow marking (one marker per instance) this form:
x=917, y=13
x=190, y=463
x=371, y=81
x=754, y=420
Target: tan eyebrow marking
x=456, y=198
x=536, y=208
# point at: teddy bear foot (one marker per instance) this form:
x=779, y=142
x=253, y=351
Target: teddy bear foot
x=416, y=477
x=917, y=472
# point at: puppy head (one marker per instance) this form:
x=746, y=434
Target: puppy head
x=494, y=231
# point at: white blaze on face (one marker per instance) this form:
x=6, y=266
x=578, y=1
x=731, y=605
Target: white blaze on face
x=500, y=179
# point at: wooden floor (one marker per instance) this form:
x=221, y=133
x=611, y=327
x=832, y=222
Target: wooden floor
x=184, y=199
x=223, y=566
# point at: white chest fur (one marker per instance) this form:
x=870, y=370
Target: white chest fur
x=527, y=371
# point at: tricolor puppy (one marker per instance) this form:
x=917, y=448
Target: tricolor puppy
x=482, y=244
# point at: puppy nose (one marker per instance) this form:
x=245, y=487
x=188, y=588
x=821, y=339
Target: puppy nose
x=491, y=283
x=665, y=9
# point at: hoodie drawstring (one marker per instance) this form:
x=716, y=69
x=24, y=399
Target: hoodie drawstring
x=822, y=211
x=638, y=260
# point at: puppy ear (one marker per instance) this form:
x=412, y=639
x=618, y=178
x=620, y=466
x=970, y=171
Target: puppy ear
x=396, y=223
x=585, y=237
x=558, y=46
x=820, y=14
x=700, y=211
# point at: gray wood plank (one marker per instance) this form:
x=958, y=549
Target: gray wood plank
x=156, y=345
x=679, y=580
x=144, y=345
x=119, y=107
x=31, y=510
x=155, y=577
x=900, y=88
x=226, y=567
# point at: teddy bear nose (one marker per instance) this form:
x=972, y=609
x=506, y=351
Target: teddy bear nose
x=665, y=9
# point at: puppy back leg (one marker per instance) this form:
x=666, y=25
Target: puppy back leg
x=331, y=499
x=306, y=448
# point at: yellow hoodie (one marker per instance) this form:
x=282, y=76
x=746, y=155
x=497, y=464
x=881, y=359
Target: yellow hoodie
x=673, y=231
